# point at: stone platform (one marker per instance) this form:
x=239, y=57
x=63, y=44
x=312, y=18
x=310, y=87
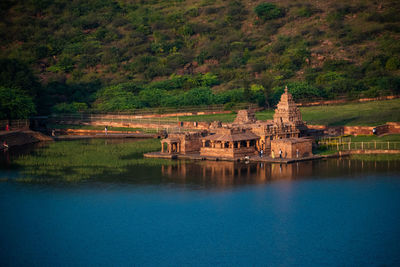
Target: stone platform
x=254, y=158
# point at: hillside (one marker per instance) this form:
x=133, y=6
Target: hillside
x=120, y=55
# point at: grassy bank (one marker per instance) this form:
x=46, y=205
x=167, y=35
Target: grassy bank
x=362, y=114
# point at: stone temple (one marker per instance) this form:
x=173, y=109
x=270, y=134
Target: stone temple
x=246, y=136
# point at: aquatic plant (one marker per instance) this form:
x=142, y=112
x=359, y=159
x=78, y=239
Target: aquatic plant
x=79, y=160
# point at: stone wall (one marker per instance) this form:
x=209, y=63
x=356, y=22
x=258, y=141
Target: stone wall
x=191, y=143
x=289, y=148
x=227, y=152
x=393, y=127
x=202, y=125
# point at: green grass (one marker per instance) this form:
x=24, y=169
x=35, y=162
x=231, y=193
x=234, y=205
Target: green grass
x=79, y=160
x=360, y=114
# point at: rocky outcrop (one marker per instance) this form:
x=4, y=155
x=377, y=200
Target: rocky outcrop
x=19, y=138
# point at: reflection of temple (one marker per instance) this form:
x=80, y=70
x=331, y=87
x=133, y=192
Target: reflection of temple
x=226, y=173
x=246, y=136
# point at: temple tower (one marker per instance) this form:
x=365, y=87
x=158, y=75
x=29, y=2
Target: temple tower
x=287, y=111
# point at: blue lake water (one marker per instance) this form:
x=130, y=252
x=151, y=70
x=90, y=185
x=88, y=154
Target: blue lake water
x=338, y=212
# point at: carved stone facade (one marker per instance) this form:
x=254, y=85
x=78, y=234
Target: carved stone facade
x=245, y=136
x=287, y=111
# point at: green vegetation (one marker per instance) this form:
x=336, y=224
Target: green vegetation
x=104, y=55
x=268, y=11
x=369, y=113
x=15, y=104
x=78, y=160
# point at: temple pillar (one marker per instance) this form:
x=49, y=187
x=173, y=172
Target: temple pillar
x=248, y=143
x=204, y=143
x=162, y=147
x=238, y=144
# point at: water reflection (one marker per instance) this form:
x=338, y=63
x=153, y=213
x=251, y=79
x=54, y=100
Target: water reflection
x=121, y=161
x=228, y=174
x=225, y=174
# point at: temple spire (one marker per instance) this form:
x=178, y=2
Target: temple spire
x=286, y=90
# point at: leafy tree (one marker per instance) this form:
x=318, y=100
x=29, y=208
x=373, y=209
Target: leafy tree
x=15, y=103
x=198, y=96
x=117, y=97
x=73, y=107
x=16, y=74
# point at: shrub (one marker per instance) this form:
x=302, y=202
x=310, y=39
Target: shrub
x=392, y=63
x=268, y=11
x=305, y=11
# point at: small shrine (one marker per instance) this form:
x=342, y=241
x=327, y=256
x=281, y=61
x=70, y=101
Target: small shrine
x=181, y=143
x=291, y=148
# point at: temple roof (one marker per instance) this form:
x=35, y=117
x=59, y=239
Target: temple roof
x=287, y=110
x=232, y=137
x=292, y=140
x=171, y=140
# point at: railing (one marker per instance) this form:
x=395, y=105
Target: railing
x=335, y=139
x=389, y=145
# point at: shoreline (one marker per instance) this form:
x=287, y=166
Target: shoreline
x=20, y=138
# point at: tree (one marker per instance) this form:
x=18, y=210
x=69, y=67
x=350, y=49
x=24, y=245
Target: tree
x=16, y=74
x=15, y=104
